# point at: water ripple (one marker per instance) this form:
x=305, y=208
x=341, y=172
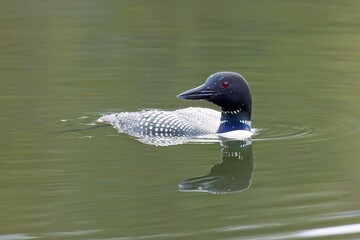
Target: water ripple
x=313, y=233
x=314, y=128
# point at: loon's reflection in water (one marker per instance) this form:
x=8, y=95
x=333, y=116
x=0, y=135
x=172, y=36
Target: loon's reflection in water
x=232, y=174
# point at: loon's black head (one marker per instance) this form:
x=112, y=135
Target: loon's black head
x=229, y=90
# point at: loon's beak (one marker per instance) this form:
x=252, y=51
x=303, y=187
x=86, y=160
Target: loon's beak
x=196, y=93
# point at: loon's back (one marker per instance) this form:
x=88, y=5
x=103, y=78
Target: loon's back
x=181, y=123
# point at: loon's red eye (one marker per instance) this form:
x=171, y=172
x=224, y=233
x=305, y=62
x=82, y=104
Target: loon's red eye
x=225, y=84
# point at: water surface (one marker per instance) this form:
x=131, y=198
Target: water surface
x=63, y=64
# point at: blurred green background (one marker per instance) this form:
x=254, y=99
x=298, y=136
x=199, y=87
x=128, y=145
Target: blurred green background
x=64, y=63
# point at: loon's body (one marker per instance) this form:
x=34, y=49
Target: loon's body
x=186, y=122
x=228, y=90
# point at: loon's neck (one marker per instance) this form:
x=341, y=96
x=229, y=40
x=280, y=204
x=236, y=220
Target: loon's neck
x=234, y=120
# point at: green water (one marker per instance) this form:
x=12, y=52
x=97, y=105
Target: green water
x=64, y=63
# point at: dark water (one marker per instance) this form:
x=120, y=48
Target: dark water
x=64, y=63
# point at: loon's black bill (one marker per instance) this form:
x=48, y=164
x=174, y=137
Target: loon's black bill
x=196, y=93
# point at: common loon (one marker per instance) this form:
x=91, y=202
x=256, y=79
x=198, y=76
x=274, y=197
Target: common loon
x=229, y=90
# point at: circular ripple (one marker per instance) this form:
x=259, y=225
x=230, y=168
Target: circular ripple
x=310, y=128
x=315, y=128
